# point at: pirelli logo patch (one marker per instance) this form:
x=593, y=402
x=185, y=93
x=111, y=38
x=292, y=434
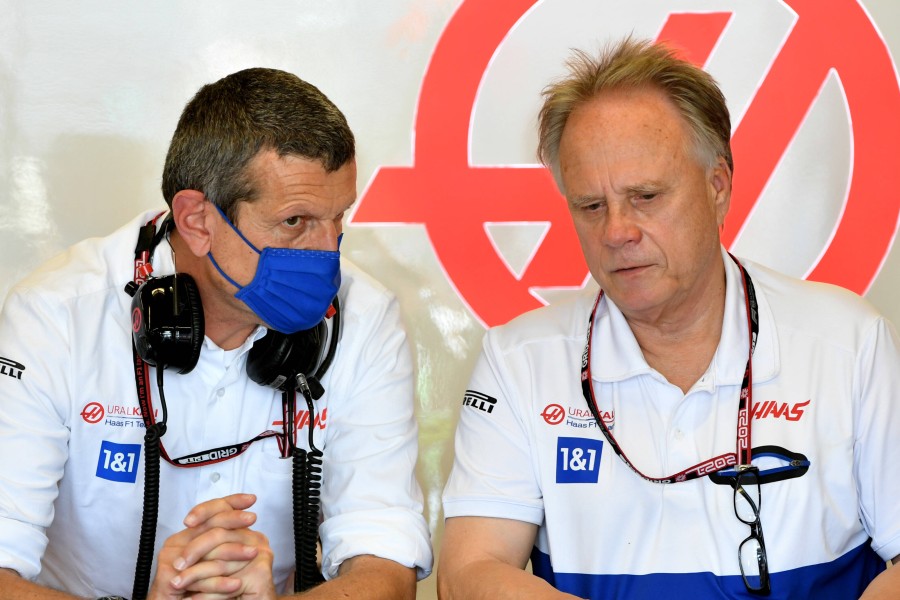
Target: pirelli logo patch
x=480, y=401
x=11, y=368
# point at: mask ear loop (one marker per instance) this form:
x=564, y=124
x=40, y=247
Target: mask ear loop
x=236, y=230
x=246, y=241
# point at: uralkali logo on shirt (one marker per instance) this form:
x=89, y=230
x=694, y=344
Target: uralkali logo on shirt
x=114, y=415
x=578, y=417
x=582, y=417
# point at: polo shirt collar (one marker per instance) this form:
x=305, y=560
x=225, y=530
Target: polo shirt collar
x=730, y=359
x=616, y=354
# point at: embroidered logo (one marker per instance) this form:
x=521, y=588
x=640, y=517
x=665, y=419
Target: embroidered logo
x=578, y=460
x=582, y=418
x=778, y=410
x=482, y=402
x=11, y=368
x=92, y=412
x=301, y=420
x=114, y=415
x=554, y=414
x=118, y=462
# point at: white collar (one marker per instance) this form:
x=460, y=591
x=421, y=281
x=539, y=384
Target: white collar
x=617, y=355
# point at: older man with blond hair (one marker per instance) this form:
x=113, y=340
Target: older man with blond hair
x=702, y=427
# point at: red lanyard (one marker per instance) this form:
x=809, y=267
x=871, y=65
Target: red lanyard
x=147, y=240
x=742, y=454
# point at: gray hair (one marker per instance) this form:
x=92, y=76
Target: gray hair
x=229, y=122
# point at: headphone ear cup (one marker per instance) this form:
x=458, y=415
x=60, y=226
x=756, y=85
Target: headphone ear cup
x=267, y=359
x=194, y=309
x=277, y=358
x=167, y=322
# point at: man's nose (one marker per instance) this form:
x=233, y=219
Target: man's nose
x=621, y=225
x=324, y=235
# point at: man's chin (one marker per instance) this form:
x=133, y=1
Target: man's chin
x=633, y=300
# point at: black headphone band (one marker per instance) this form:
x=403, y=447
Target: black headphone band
x=149, y=237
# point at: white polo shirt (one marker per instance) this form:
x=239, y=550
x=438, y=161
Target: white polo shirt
x=71, y=435
x=826, y=375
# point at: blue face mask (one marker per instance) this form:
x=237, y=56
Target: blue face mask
x=292, y=289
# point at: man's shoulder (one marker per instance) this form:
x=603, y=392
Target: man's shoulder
x=812, y=305
x=795, y=291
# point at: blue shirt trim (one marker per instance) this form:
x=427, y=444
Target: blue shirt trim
x=845, y=577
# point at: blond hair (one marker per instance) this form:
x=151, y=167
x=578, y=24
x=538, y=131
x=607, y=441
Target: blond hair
x=633, y=64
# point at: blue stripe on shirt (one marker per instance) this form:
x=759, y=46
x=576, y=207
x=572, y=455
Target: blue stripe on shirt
x=845, y=577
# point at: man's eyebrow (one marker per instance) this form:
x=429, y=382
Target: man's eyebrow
x=586, y=199
x=645, y=187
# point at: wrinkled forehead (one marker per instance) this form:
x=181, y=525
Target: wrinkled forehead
x=624, y=125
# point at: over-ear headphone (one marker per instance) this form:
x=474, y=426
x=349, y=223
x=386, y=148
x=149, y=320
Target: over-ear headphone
x=167, y=321
x=276, y=359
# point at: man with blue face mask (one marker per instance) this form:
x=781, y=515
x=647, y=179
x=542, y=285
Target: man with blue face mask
x=259, y=174
x=292, y=289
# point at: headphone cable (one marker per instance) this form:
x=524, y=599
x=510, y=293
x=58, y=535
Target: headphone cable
x=306, y=484
x=149, y=517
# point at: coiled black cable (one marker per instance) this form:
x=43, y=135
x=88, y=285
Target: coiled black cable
x=307, y=475
x=306, y=487
x=307, y=478
x=144, y=564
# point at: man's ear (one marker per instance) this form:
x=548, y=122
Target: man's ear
x=190, y=211
x=720, y=183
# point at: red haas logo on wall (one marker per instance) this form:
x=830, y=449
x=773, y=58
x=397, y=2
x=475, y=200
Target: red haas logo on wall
x=455, y=199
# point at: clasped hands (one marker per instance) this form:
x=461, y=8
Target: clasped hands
x=217, y=556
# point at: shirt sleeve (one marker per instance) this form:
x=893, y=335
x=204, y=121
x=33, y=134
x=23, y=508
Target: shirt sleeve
x=33, y=430
x=493, y=470
x=877, y=443
x=371, y=500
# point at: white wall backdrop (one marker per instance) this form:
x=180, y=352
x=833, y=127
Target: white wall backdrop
x=448, y=90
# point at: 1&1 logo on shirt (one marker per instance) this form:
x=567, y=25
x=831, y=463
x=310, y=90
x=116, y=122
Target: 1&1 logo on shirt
x=578, y=460
x=118, y=462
